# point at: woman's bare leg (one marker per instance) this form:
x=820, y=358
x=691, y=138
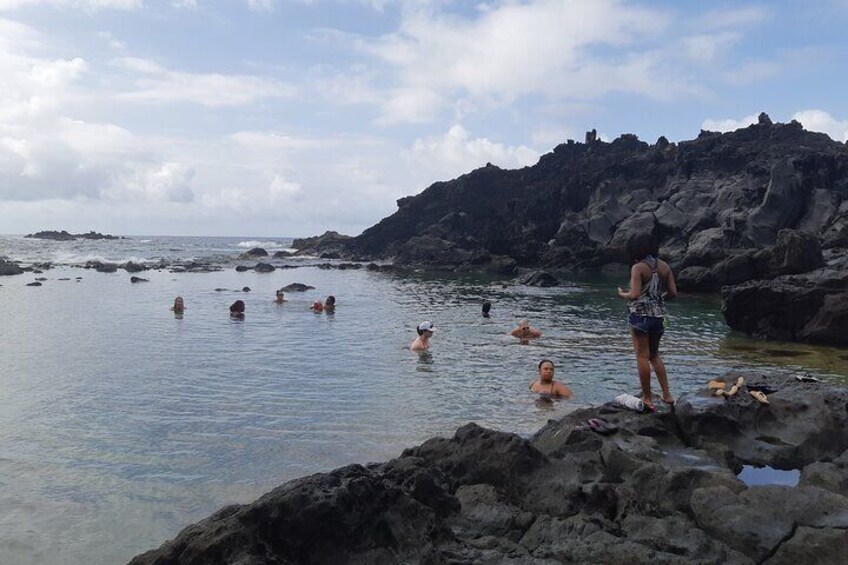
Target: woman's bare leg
x=659, y=369
x=643, y=364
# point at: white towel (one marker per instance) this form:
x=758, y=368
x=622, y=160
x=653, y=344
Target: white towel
x=631, y=402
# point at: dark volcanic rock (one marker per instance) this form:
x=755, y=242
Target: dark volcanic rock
x=707, y=200
x=242, y=268
x=36, y=283
x=539, y=278
x=256, y=252
x=131, y=267
x=793, y=252
x=65, y=236
x=264, y=268
x=9, y=268
x=138, y=280
x=297, y=287
x=282, y=254
x=328, y=242
x=662, y=489
x=809, y=307
x=101, y=267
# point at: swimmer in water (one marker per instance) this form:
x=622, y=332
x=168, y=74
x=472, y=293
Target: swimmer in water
x=237, y=309
x=546, y=385
x=317, y=306
x=425, y=332
x=524, y=332
x=280, y=297
x=330, y=304
x=486, y=307
x=179, y=305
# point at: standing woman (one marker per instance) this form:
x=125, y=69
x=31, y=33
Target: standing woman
x=651, y=285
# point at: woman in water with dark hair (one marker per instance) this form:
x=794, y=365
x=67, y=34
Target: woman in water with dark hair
x=651, y=285
x=237, y=309
x=546, y=384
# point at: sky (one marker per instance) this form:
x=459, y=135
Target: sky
x=292, y=117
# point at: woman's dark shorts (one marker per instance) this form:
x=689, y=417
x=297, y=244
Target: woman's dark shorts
x=652, y=326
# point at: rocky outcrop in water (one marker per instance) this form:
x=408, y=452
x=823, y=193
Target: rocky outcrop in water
x=255, y=252
x=810, y=307
x=662, y=489
x=297, y=287
x=329, y=242
x=9, y=268
x=716, y=199
x=65, y=236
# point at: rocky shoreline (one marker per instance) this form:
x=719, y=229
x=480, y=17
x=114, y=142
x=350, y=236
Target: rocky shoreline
x=662, y=489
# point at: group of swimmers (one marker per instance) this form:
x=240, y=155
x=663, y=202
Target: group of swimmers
x=651, y=285
x=237, y=308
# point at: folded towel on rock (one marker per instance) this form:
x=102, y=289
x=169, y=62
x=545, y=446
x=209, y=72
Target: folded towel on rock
x=631, y=402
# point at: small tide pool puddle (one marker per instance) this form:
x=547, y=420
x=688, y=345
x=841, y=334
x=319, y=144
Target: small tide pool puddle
x=752, y=476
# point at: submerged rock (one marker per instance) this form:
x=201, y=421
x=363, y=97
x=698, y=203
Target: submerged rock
x=264, y=268
x=662, y=489
x=297, y=287
x=138, y=280
x=9, y=268
x=539, y=278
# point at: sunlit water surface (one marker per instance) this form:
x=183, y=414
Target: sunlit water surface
x=121, y=423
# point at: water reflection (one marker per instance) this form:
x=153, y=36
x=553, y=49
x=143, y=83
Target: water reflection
x=425, y=359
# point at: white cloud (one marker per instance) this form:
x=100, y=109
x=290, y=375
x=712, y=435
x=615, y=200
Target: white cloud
x=812, y=120
x=156, y=84
x=735, y=17
x=456, y=153
x=8, y=5
x=728, y=124
x=708, y=47
x=260, y=5
x=513, y=49
x=819, y=120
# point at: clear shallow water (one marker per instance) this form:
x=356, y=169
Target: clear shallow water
x=120, y=424
x=753, y=476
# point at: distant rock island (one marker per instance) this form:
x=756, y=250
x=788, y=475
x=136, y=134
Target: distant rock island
x=65, y=236
x=764, y=202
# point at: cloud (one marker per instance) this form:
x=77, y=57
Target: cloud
x=456, y=153
x=513, y=49
x=89, y=5
x=260, y=5
x=735, y=17
x=158, y=85
x=812, y=120
x=819, y=120
x=728, y=124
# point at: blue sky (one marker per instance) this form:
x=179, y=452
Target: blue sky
x=290, y=117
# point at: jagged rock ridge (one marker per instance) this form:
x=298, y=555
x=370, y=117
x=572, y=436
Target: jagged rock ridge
x=707, y=200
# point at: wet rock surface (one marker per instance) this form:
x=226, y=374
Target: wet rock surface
x=810, y=307
x=661, y=489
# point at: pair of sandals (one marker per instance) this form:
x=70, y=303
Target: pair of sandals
x=601, y=426
x=717, y=387
x=757, y=392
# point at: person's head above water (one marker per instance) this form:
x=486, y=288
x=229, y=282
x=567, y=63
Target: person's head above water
x=641, y=245
x=486, y=307
x=425, y=327
x=237, y=307
x=330, y=301
x=281, y=295
x=546, y=370
x=179, y=304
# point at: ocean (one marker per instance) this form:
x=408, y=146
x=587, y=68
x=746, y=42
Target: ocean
x=121, y=423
